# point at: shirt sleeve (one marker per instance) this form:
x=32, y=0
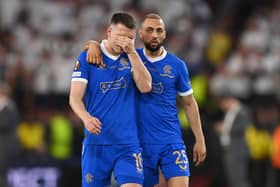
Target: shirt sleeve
x=183, y=83
x=80, y=71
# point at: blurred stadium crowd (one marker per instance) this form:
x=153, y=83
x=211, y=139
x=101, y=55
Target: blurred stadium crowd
x=232, y=49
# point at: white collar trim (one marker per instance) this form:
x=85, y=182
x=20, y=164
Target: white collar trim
x=155, y=59
x=103, y=49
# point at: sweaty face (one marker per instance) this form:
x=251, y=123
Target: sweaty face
x=152, y=34
x=117, y=31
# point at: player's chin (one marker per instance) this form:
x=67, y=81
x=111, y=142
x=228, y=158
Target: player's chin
x=118, y=50
x=152, y=46
x=155, y=47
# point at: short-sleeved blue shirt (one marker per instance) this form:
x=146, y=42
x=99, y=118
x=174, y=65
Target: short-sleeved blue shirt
x=158, y=121
x=110, y=96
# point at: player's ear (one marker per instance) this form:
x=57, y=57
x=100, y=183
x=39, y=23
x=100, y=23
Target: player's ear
x=134, y=35
x=140, y=33
x=109, y=29
x=164, y=35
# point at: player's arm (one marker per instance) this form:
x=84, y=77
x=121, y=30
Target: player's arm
x=141, y=75
x=94, y=55
x=193, y=116
x=77, y=92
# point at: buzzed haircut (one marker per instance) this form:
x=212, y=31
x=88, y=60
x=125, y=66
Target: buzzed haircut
x=151, y=16
x=123, y=18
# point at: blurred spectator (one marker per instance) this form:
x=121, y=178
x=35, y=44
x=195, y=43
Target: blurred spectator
x=276, y=154
x=276, y=148
x=232, y=131
x=43, y=75
x=259, y=138
x=219, y=44
x=32, y=136
x=200, y=87
x=20, y=80
x=9, y=120
x=3, y=64
x=232, y=137
x=60, y=137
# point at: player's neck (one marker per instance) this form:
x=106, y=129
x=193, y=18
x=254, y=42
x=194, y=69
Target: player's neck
x=109, y=49
x=154, y=54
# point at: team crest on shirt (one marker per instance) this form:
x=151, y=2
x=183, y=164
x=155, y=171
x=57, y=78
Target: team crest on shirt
x=124, y=64
x=89, y=178
x=77, y=65
x=167, y=72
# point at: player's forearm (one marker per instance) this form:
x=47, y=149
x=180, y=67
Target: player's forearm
x=193, y=116
x=78, y=107
x=141, y=75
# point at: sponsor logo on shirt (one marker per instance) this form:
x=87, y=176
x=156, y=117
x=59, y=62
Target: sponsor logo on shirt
x=113, y=85
x=157, y=87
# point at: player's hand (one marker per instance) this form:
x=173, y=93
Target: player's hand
x=126, y=43
x=94, y=55
x=92, y=124
x=199, y=153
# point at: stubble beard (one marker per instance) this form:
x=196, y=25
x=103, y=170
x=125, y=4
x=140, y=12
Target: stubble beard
x=152, y=48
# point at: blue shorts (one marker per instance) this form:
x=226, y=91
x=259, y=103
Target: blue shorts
x=170, y=158
x=99, y=161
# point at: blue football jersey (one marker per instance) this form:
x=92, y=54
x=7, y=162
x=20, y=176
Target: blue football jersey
x=158, y=122
x=110, y=96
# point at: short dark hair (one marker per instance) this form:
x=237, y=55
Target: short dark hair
x=151, y=16
x=125, y=19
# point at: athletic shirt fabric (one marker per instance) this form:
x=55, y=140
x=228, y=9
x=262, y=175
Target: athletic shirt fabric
x=110, y=96
x=158, y=121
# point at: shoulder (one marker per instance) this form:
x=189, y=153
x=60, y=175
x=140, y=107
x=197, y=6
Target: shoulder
x=175, y=59
x=140, y=51
x=82, y=56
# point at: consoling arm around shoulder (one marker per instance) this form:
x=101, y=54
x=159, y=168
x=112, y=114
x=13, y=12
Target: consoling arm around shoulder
x=141, y=75
x=94, y=54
